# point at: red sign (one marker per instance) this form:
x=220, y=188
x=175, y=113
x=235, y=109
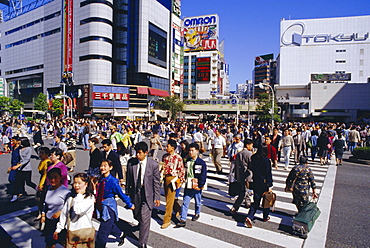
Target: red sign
x=68, y=35
x=209, y=44
x=110, y=96
x=203, y=69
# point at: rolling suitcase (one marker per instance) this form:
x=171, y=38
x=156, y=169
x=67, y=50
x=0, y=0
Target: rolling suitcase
x=305, y=219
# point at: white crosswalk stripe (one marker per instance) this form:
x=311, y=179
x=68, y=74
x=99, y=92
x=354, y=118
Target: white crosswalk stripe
x=215, y=214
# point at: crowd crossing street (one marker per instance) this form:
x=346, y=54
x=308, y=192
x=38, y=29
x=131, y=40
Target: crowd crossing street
x=216, y=227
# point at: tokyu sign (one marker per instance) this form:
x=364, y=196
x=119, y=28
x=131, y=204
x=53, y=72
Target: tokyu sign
x=295, y=35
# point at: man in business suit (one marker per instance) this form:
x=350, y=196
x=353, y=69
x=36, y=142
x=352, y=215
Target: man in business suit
x=299, y=144
x=143, y=187
x=242, y=164
x=111, y=155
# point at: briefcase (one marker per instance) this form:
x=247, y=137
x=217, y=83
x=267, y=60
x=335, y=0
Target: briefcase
x=305, y=219
x=268, y=199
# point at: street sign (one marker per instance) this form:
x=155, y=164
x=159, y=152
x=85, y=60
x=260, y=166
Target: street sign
x=21, y=117
x=234, y=101
x=152, y=104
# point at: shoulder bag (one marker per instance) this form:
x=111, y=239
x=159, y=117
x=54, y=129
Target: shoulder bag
x=67, y=158
x=80, y=238
x=268, y=199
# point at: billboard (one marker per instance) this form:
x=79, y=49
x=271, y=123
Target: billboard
x=68, y=36
x=331, y=77
x=157, y=49
x=201, y=33
x=203, y=68
x=263, y=59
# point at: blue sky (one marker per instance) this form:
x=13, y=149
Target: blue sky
x=252, y=28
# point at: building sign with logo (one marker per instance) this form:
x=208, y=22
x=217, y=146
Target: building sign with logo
x=200, y=33
x=263, y=59
x=331, y=77
x=110, y=96
x=203, y=69
x=106, y=96
x=324, y=31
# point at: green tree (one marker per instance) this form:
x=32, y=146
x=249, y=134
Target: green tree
x=16, y=106
x=4, y=103
x=171, y=103
x=57, y=106
x=41, y=102
x=264, y=108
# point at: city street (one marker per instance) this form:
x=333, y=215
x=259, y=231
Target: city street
x=342, y=200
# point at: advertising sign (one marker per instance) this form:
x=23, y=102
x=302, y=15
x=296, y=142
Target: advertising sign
x=200, y=33
x=331, y=77
x=110, y=96
x=263, y=59
x=68, y=35
x=203, y=68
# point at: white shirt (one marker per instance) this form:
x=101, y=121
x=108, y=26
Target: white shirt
x=143, y=167
x=81, y=216
x=219, y=142
x=198, y=137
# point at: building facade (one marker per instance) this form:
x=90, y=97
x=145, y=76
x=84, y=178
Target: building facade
x=125, y=42
x=324, y=68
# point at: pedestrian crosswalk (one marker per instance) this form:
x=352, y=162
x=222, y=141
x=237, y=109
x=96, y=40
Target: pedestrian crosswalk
x=216, y=227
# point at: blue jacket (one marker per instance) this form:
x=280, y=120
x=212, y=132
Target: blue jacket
x=200, y=171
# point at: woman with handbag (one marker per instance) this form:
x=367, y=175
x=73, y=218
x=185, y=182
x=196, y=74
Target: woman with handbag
x=262, y=182
x=24, y=169
x=77, y=213
x=299, y=181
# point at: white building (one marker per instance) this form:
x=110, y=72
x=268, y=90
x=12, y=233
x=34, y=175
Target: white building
x=324, y=46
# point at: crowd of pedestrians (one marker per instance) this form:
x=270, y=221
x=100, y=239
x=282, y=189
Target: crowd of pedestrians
x=123, y=166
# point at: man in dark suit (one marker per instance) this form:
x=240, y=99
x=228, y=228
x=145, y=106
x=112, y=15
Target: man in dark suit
x=111, y=155
x=143, y=187
x=242, y=163
x=299, y=144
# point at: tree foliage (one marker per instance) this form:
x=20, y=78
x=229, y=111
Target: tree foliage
x=5, y=103
x=57, y=106
x=16, y=106
x=171, y=103
x=41, y=102
x=264, y=108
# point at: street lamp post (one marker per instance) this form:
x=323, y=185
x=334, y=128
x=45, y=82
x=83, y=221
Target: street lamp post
x=261, y=85
x=64, y=107
x=237, y=108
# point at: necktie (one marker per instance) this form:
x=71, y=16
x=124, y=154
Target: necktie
x=100, y=195
x=139, y=176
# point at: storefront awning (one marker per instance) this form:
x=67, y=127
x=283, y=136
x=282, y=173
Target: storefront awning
x=157, y=92
x=142, y=91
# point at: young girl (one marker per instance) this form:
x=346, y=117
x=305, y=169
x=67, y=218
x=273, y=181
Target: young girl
x=55, y=197
x=6, y=142
x=78, y=209
x=106, y=205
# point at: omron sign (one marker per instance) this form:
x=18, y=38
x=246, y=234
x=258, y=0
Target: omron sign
x=200, y=21
x=295, y=35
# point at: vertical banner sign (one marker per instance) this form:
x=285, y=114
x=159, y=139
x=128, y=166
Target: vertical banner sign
x=68, y=36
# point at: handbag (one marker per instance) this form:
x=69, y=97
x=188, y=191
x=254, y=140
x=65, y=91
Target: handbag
x=234, y=189
x=12, y=176
x=268, y=199
x=83, y=237
x=67, y=158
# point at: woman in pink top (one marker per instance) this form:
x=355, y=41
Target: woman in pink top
x=56, y=157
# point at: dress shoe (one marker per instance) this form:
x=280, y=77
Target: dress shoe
x=122, y=240
x=232, y=211
x=267, y=219
x=248, y=222
x=182, y=223
x=165, y=225
x=14, y=198
x=195, y=217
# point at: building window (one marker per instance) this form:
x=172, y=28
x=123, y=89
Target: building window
x=98, y=38
x=84, y=3
x=31, y=68
x=341, y=51
x=48, y=17
x=362, y=51
x=340, y=61
x=35, y=37
x=361, y=62
x=361, y=73
x=96, y=19
x=95, y=56
x=340, y=72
